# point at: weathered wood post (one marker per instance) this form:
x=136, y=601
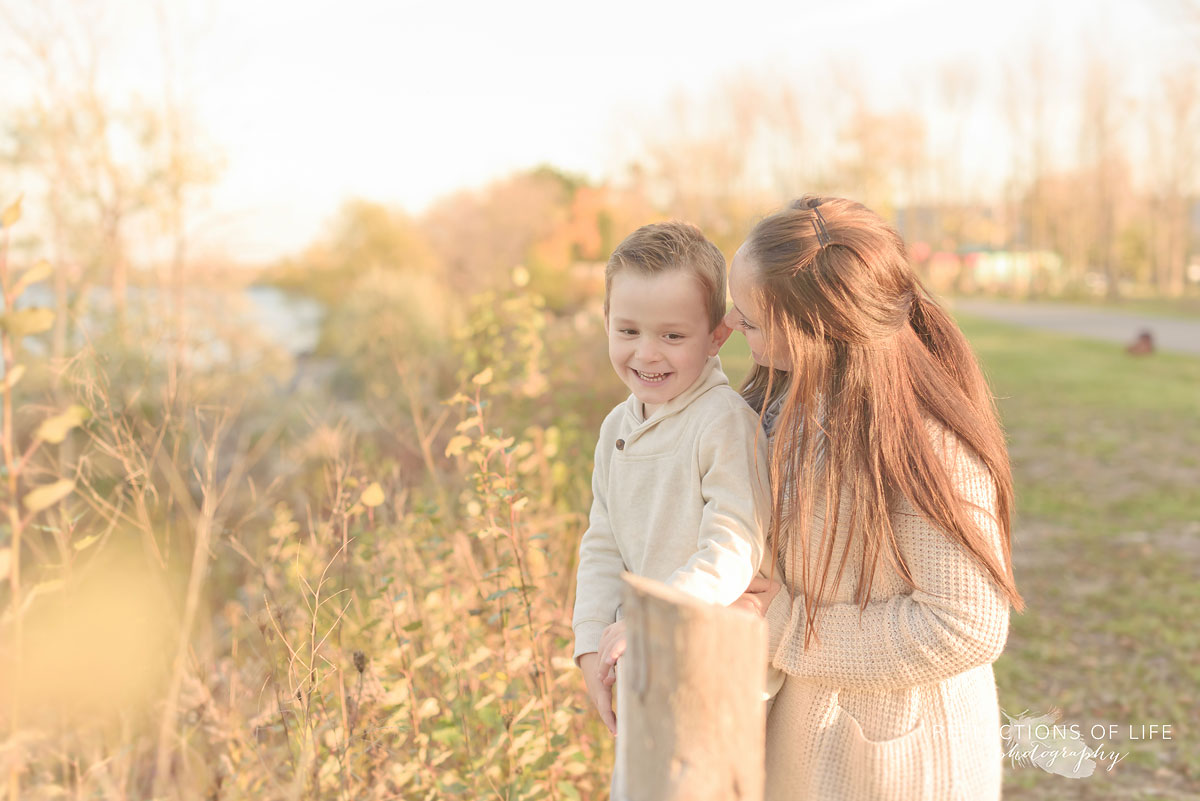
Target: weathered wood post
x=690, y=715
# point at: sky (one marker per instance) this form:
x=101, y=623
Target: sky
x=309, y=103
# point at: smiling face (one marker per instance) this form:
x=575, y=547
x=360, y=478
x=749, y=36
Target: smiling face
x=747, y=314
x=658, y=333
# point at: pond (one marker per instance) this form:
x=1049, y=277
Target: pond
x=290, y=322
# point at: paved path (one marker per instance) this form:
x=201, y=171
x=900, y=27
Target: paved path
x=1175, y=334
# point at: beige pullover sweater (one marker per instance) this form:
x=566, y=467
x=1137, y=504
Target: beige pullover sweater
x=680, y=498
x=898, y=703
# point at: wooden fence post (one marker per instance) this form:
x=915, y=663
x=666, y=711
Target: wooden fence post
x=690, y=715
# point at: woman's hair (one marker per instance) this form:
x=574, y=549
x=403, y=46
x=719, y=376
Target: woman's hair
x=662, y=247
x=873, y=358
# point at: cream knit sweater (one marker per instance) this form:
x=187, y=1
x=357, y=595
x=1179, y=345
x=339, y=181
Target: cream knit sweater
x=898, y=704
x=680, y=498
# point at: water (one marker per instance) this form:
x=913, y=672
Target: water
x=290, y=322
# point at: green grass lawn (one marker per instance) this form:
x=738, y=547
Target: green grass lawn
x=1184, y=308
x=1106, y=549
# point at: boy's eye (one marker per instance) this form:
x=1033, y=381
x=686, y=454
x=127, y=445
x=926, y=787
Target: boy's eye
x=746, y=324
x=674, y=337
x=629, y=332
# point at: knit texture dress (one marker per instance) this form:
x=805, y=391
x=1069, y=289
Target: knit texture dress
x=898, y=704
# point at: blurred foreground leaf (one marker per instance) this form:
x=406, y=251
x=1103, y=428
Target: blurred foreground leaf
x=87, y=541
x=38, y=272
x=55, y=429
x=457, y=445
x=11, y=214
x=14, y=375
x=373, y=495
x=45, y=497
x=24, y=322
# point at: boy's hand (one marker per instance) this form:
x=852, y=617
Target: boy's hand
x=612, y=648
x=597, y=690
x=758, y=596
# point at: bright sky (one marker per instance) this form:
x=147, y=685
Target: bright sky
x=401, y=102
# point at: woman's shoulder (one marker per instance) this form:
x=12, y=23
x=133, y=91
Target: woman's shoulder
x=950, y=447
x=968, y=473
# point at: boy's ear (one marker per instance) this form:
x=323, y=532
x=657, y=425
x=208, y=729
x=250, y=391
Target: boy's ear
x=719, y=335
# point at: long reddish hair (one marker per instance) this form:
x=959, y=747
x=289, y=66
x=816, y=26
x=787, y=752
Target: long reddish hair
x=873, y=358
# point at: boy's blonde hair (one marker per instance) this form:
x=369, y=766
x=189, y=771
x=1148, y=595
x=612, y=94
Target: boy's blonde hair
x=662, y=247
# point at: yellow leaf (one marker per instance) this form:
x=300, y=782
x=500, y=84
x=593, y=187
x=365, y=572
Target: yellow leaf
x=481, y=655
x=396, y=696
x=457, y=445
x=24, y=322
x=423, y=660
x=525, y=710
x=519, y=503
x=55, y=429
x=484, y=378
x=470, y=422
x=38, y=272
x=14, y=375
x=373, y=495
x=11, y=214
x=86, y=542
x=48, y=495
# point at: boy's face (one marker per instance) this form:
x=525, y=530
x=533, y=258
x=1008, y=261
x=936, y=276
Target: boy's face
x=658, y=336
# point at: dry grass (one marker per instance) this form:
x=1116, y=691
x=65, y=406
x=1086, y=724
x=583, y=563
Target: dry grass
x=361, y=589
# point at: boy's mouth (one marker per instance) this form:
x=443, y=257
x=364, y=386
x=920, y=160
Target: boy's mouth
x=652, y=378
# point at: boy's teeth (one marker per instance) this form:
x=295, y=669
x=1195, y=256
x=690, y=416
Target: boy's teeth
x=650, y=376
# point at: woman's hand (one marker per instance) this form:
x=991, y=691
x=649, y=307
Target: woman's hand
x=612, y=648
x=597, y=690
x=758, y=596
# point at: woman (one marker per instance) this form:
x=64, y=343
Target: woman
x=892, y=500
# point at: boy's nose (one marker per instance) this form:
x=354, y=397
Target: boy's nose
x=647, y=351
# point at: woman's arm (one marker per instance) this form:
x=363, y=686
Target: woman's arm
x=956, y=620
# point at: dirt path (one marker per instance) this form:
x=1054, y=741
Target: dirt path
x=1172, y=334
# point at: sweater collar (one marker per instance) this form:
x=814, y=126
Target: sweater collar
x=710, y=376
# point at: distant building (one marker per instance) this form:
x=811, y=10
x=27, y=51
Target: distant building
x=943, y=271
x=1009, y=271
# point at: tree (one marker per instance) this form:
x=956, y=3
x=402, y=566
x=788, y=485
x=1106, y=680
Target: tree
x=99, y=164
x=1104, y=161
x=1027, y=107
x=480, y=236
x=1174, y=133
x=723, y=158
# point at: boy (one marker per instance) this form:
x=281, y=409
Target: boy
x=680, y=479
